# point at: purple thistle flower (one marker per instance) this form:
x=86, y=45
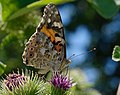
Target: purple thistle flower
x=62, y=82
x=14, y=80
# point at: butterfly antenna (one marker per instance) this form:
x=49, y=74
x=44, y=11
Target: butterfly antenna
x=73, y=56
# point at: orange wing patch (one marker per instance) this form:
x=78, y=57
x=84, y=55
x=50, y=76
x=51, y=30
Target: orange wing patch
x=49, y=33
x=57, y=41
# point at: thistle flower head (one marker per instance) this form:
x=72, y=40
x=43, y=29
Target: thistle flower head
x=62, y=82
x=14, y=80
x=23, y=83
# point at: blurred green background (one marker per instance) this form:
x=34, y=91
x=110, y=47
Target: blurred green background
x=87, y=23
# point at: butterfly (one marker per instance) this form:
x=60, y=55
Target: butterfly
x=46, y=48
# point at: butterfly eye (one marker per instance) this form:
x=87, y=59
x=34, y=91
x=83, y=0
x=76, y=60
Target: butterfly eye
x=31, y=54
x=36, y=45
x=31, y=49
x=59, y=59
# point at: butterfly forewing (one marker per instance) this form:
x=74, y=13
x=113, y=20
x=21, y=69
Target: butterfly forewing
x=53, y=28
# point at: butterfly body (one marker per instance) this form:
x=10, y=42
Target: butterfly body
x=45, y=49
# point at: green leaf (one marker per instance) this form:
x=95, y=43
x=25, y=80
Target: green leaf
x=116, y=53
x=2, y=68
x=0, y=12
x=8, y=39
x=106, y=8
x=7, y=8
x=11, y=6
x=18, y=8
x=33, y=6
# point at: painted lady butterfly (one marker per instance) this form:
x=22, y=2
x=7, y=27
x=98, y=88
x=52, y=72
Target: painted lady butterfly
x=46, y=48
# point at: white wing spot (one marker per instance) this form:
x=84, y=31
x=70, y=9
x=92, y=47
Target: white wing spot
x=42, y=50
x=60, y=39
x=49, y=20
x=58, y=24
x=50, y=45
x=42, y=20
x=56, y=12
